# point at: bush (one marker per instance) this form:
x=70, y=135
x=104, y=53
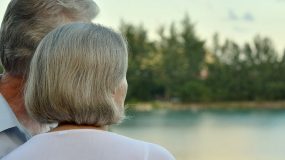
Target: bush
x=194, y=91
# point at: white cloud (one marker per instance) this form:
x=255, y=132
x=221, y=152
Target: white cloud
x=232, y=15
x=244, y=17
x=248, y=17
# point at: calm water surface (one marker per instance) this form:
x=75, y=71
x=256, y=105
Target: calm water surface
x=211, y=135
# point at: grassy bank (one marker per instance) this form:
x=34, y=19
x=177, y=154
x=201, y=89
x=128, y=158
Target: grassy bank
x=146, y=106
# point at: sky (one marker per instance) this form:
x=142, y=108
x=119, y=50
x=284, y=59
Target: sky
x=238, y=20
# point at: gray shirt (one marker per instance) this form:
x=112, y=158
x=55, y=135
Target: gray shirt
x=12, y=133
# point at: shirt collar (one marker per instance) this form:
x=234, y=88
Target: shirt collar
x=8, y=118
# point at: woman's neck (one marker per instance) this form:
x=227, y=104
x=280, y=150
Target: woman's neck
x=63, y=127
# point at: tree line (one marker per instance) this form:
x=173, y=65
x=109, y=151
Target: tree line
x=179, y=67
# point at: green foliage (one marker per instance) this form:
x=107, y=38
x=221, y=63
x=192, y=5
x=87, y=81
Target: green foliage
x=251, y=72
x=1, y=69
x=158, y=69
x=171, y=67
x=141, y=74
x=195, y=91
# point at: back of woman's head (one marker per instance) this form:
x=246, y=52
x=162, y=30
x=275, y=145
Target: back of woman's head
x=74, y=73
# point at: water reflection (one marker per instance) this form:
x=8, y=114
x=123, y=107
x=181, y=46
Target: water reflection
x=211, y=135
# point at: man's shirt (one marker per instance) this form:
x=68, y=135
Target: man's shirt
x=12, y=133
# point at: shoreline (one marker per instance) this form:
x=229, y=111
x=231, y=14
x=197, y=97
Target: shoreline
x=148, y=106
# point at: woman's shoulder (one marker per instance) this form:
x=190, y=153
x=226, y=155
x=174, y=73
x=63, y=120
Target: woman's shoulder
x=126, y=147
x=156, y=151
x=152, y=151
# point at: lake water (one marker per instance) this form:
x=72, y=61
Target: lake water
x=211, y=134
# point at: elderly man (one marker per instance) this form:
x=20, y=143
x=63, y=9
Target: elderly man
x=25, y=23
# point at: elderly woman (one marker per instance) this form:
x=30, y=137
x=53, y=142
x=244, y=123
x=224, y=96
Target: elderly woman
x=78, y=79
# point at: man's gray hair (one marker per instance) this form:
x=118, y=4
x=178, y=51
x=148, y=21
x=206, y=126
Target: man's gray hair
x=26, y=22
x=74, y=74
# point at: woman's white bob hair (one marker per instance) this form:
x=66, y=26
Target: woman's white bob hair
x=74, y=73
